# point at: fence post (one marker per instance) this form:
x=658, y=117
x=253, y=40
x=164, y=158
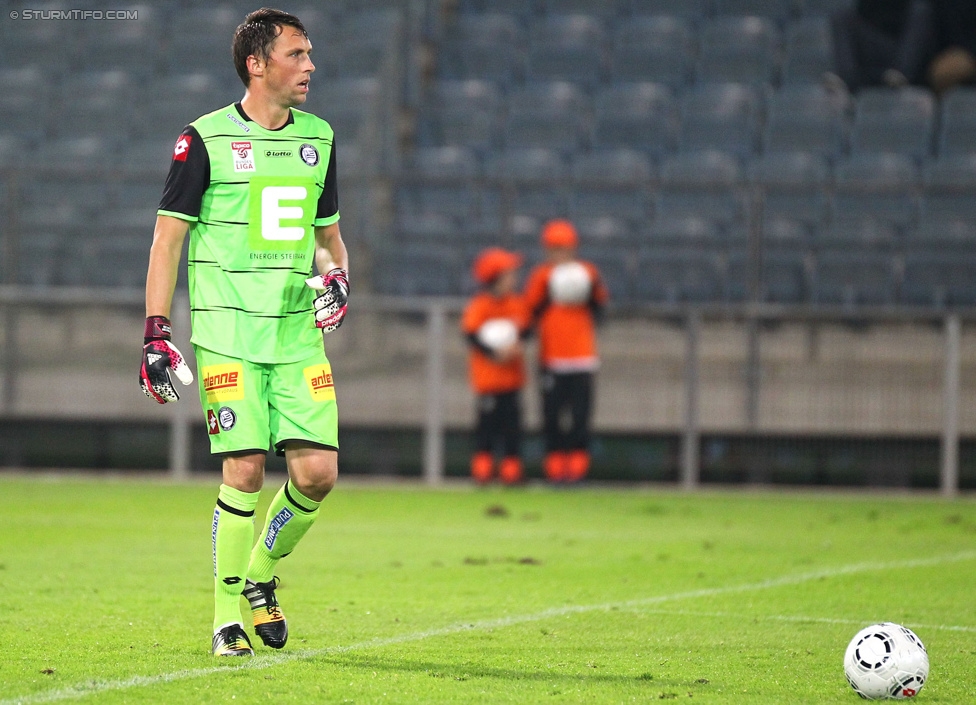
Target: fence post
x=183, y=410
x=434, y=426
x=949, y=476
x=690, y=455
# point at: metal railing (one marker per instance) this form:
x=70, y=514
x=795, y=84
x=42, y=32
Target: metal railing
x=440, y=344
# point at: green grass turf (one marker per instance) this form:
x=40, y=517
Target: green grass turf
x=403, y=594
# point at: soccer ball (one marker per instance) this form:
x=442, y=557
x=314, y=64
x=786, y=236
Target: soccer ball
x=569, y=283
x=886, y=661
x=498, y=333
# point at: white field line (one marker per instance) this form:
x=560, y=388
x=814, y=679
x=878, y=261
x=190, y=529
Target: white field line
x=94, y=687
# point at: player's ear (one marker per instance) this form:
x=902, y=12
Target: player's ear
x=255, y=65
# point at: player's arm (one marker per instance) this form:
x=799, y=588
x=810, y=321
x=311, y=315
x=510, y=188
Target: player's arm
x=331, y=256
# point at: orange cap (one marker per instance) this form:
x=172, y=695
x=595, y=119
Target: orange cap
x=494, y=262
x=559, y=233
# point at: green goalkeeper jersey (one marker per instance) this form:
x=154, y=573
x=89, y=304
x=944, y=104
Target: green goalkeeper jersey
x=253, y=197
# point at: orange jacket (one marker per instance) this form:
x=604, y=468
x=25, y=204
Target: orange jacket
x=488, y=375
x=567, y=333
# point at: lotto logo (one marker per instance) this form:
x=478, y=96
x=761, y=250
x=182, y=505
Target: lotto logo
x=182, y=148
x=223, y=382
x=320, y=383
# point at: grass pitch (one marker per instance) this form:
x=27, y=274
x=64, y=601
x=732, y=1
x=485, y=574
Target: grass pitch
x=404, y=595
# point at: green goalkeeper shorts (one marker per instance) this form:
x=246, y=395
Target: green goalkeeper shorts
x=251, y=406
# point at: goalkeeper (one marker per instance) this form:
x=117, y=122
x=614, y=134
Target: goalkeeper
x=254, y=185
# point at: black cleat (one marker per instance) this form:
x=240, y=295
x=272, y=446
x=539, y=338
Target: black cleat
x=269, y=622
x=231, y=641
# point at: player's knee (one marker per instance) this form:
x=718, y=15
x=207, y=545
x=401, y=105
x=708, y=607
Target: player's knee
x=317, y=479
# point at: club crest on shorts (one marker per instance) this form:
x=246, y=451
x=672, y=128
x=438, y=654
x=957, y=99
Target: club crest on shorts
x=226, y=418
x=309, y=154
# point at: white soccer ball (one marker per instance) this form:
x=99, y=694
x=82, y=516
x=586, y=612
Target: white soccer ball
x=498, y=333
x=886, y=662
x=570, y=283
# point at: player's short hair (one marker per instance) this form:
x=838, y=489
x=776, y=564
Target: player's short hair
x=255, y=35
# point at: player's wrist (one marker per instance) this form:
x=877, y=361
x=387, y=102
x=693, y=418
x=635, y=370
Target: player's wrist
x=157, y=328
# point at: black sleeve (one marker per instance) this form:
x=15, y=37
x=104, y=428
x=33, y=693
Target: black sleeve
x=189, y=175
x=478, y=345
x=329, y=200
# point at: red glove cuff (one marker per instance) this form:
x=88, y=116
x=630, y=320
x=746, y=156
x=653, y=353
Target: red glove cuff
x=157, y=328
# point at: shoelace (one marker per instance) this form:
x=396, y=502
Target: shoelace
x=270, y=600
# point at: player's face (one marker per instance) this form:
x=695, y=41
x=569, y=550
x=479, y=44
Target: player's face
x=289, y=67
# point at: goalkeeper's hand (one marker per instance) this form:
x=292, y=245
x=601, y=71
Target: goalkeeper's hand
x=159, y=355
x=330, y=305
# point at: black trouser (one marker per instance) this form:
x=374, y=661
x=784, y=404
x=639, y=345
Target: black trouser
x=567, y=404
x=862, y=52
x=499, y=423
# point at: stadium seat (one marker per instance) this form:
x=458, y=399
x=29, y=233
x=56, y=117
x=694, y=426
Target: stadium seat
x=792, y=187
x=637, y=116
x=472, y=48
x=552, y=115
x=700, y=184
x=352, y=106
x=21, y=91
x=940, y=279
x=200, y=38
x=899, y=121
x=91, y=151
x=721, y=116
x=947, y=217
x=653, y=49
x=567, y=48
x=465, y=114
x=41, y=256
x=738, y=50
x=693, y=10
x=137, y=39
x=367, y=39
x=521, y=10
x=845, y=278
x=439, y=180
x=682, y=231
x=957, y=130
x=419, y=270
x=605, y=10
x=808, y=51
x=876, y=187
x=14, y=150
x=426, y=227
x=807, y=118
x=527, y=182
x=611, y=183
x=604, y=230
x=54, y=190
x=774, y=10
x=154, y=154
x=784, y=277
x=177, y=100
x=678, y=276
x=98, y=102
x=823, y=7
x=614, y=264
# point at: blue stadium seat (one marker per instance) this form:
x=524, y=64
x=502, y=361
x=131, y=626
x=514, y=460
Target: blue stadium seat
x=947, y=217
x=567, y=48
x=367, y=39
x=489, y=47
x=900, y=121
x=521, y=10
x=785, y=277
x=14, y=150
x=793, y=187
x=653, y=49
x=683, y=231
x=807, y=118
x=808, y=52
x=957, y=130
x=637, y=116
x=153, y=154
x=426, y=227
x=605, y=10
x=940, y=279
x=466, y=114
x=200, y=38
x=179, y=99
x=738, y=50
x=530, y=182
x=54, y=190
x=611, y=183
x=41, y=256
x=551, y=115
x=614, y=264
x=721, y=116
x=91, y=151
x=776, y=10
x=440, y=180
x=677, y=276
x=98, y=102
x=878, y=187
x=419, y=270
x=700, y=184
x=604, y=230
x=845, y=278
x=689, y=9
x=349, y=104
x=823, y=7
x=21, y=91
x=138, y=40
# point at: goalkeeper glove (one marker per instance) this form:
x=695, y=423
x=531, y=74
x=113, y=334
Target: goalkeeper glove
x=159, y=355
x=330, y=305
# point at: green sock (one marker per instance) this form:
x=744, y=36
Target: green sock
x=232, y=533
x=290, y=515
